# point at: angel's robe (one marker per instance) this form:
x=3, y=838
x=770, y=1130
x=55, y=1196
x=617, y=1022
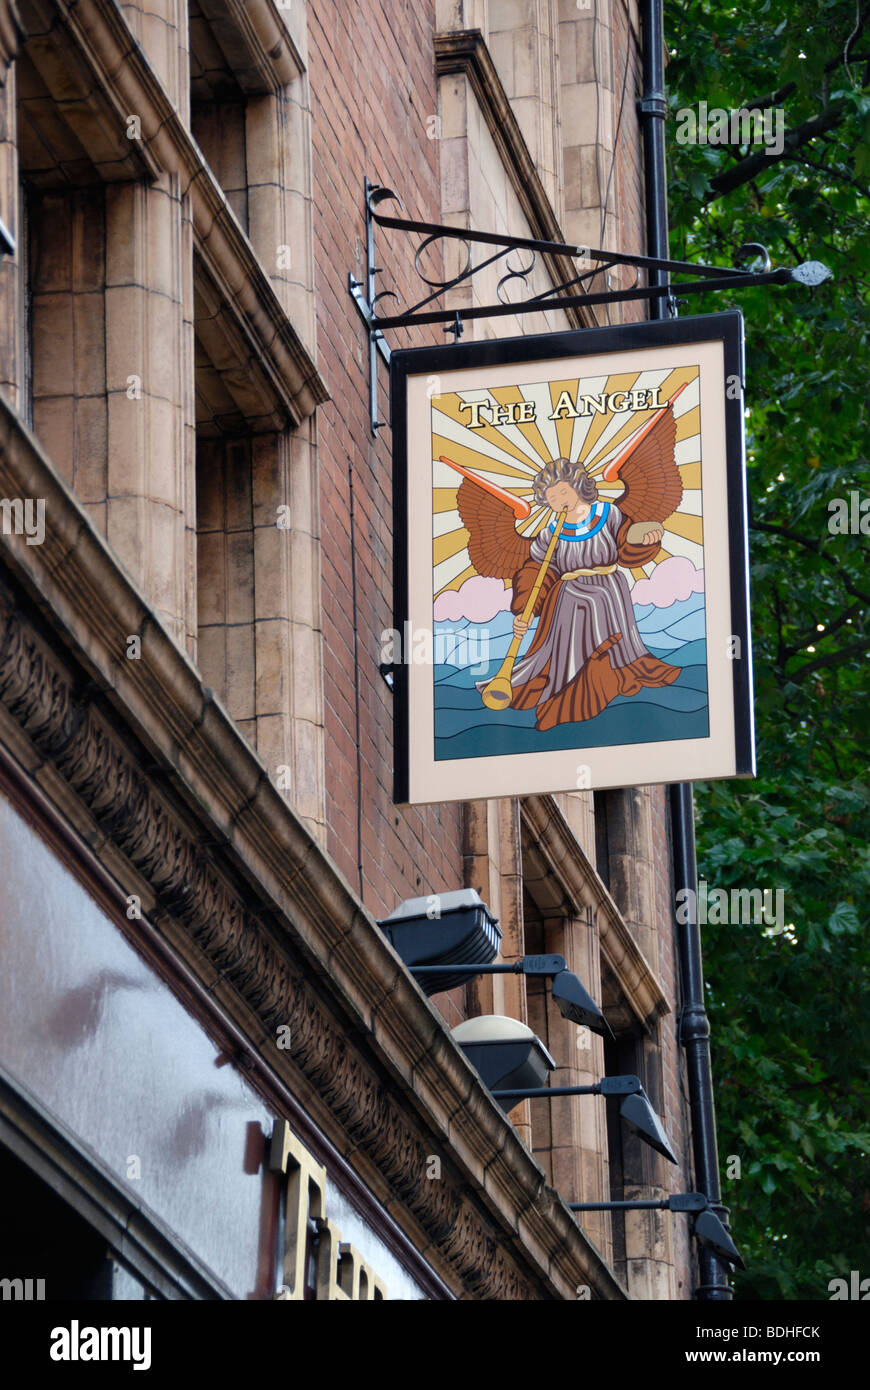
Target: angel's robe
x=586, y=649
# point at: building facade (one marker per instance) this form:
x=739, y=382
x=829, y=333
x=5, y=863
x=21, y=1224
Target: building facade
x=196, y=740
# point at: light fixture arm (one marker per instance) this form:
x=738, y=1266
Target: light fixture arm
x=607, y=1086
x=568, y=993
x=708, y=1227
x=635, y=1107
x=526, y=965
x=678, y=1201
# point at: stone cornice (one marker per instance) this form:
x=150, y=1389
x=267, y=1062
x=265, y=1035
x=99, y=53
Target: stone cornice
x=582, y=887
x=465, y=51
x=255, y=42
x=179, y=802
x=104, y=42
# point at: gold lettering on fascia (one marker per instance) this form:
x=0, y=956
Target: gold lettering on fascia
x=340, y=1272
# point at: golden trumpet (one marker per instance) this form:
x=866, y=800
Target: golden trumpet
x=498, y=693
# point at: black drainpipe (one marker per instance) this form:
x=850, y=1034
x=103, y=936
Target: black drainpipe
x=694, y=1024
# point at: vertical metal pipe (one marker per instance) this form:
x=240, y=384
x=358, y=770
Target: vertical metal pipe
x=694, y=1026
x=695, y=1038
x=653, y=114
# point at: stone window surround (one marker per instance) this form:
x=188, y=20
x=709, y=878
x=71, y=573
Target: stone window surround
x=466, y=52
x=578, y=888
x=254, y=37
x=288, y=384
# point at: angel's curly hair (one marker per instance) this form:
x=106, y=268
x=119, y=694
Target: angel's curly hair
x=563, y=471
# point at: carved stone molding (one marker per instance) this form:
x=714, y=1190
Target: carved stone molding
x=255, y=42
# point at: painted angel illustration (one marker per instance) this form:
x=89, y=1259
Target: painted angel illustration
x=586, y=649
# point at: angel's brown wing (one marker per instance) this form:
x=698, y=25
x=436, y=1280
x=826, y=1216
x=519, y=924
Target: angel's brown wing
x=494, y=548
x=653, y=486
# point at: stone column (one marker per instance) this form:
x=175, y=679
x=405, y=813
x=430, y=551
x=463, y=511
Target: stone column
x=151, y=521
x=587, y=100
x=521, y=41
x=452, y=15
x=577, y=1124
x=631, y=865
x=649, y=1243
x=578, y=808
x=288, y=640
x=493, y=865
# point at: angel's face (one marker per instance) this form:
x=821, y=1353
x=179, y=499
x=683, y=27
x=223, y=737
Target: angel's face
x=561, y=495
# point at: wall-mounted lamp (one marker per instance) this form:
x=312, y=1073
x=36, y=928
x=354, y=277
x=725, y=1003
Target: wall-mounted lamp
x=504, y=1051
x=635, y=1107
x=508, y=1056
x=458, y=930
x=441, y=931
x=708, y=1229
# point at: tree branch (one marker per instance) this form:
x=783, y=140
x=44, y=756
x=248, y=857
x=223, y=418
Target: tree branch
x=772, y=99
x=753, y=164
x=801, y=643
x=835, y=659
x=771, y=529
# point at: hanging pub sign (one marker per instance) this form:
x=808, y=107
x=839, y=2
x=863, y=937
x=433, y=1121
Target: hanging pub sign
x=571, y=562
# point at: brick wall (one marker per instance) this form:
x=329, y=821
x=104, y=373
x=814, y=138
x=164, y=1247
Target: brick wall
x=373, y=87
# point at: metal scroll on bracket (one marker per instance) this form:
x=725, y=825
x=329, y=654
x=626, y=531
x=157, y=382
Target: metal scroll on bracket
x=575, y=292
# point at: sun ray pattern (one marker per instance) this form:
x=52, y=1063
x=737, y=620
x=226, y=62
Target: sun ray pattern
x=512, y=453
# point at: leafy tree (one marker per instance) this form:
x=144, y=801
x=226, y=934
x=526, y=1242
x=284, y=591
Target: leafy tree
x=790, y=1009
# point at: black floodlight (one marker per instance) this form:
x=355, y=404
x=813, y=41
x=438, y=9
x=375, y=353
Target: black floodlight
x=505, y=1052
x=711, y=1231
x=414, y=938
x=577, y=1005
x=707, y=1226
x=443, y=930
x=635, y=1108
x=643, y=1120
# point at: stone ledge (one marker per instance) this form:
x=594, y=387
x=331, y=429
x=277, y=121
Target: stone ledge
x=255, y=42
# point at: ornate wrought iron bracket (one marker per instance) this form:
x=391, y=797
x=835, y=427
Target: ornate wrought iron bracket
x=573, y=293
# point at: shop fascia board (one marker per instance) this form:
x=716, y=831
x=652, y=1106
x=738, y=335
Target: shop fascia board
x=104, y=42
x=582, y=888
x=252, y=834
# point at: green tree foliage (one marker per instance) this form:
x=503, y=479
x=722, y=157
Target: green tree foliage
x=790, y=1010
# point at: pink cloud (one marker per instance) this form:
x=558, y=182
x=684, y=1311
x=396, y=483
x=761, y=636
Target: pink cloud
x=672, y=580
x=477, y=599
